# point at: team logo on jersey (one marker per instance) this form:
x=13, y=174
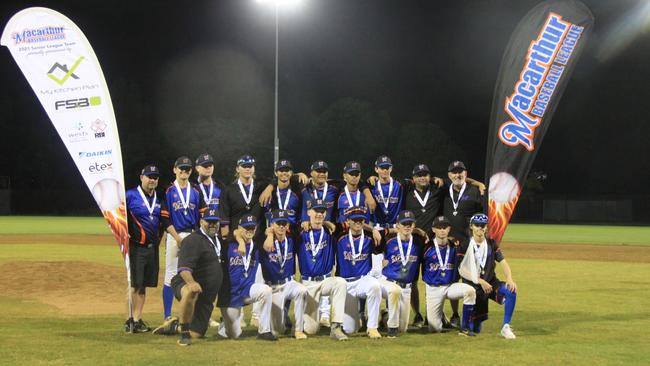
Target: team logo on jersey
x=59, y=69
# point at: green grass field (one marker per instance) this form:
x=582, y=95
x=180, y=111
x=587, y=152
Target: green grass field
x=568, y=311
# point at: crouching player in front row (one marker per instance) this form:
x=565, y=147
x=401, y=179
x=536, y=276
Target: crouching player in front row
x=481, y=255
x=440, y=275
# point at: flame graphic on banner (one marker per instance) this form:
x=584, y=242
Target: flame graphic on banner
x=117, y=221
x=499, y=215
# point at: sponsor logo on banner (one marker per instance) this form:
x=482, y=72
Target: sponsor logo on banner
x=77, y=133
x=94, y=154
x=69, y=89
x=60, y=73
x=37, y=35
x=97, y=168
x=76, y=103
x=99, y=127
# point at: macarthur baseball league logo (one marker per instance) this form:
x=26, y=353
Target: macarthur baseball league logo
x=58, y=69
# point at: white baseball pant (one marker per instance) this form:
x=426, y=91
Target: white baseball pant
x=399, y=304
x=367, y=287
x=295, y=291
x=435, y=298
x=231, y=326
x=171, y=257
x=335, y=288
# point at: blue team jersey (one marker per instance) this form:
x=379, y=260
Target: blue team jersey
x=330, y=200
x=293, y=207
x=183, y=219
x=386, y=217
x=432, y=271
x=343, y=204
x=212, y=202
x=324, y=260
x=241, y=280
x=394, y=270
x=346, y=265
x=271, y=262
x=147, y=224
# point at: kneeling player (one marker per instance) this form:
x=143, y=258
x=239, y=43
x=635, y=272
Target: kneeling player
x=439, y=273
x=481, y=255
x=242, y=289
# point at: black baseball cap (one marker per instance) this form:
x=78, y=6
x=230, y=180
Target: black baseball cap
x=283, y=164
x=279, y=216
x=246, y=160
x=248, y=221
x=150, y=171
x=316, y=204
x=479, y=218
x=204, y=159
x=406, y=216
x=183, y=162
x=318, y=165
x=456, y=166
x=352, y=166
x=211, y=215
x=355, y=212
x=421, y=168
x=383, y=162
x=441, y=222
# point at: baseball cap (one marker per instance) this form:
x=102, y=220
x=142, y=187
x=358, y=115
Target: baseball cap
x=319, y=164
x=150, y=170
x=406, y=216
x=479, y=218
x=316, y=203
x=283, y=164
x=211, y=215
x=355, y=212
x=246, y=160
x=383, y=162
x=279, y=215
x=352, y=166
x=183, y=162
x=441, y=222
x=248, y=221
x=204, y=158
x=456, y=165
x=421, y=168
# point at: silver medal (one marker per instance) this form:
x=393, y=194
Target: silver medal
x=455, y=213
x=442, y=273
x=246, y=274
x=185, y=212
x=424, y=210
x=404, y=269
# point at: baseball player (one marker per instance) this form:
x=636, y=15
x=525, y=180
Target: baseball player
x=351, y=195
x=278, y=267
x=147, y=214
x=286, y=195
x=209, y=187
x=354, y=250
x=440, y=274
x=402, y=254
x=319, y=188
x=479, y=258
x=185, y=205
x=241, y=288
x=316, y=256
x=199, y=278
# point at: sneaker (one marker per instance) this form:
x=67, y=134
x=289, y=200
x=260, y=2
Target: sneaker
x=300, y=335
x=507, y=333
x=373, y=333
x=168, y=327
x=336, y=332
x=392, y=333
x=184, y=339
x=129, y=325
x=214, y=323
x=466, y=333
x=418, y=321
x=455, y=321
x=267, y=336
x=325, y=321
x=140, y=327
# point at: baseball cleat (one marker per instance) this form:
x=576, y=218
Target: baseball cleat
x=325, y=321
x=466, y=333
x=455, y=321
x=168, y=327
x=392, y=333
x=418, y=321
x=184, y=339
x=507, y=333
x=300, y=335
x=267, y=336
x=373, y=333
x=336, y=332
x=129, y=325
x=140, y=327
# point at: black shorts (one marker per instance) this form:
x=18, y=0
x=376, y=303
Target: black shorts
x=202, y=308
x=481, y=307
x=144, y=265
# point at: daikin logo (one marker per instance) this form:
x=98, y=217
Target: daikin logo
x=58, y=69
x=36, y=35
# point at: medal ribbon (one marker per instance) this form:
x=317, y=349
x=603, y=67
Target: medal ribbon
x=207, y=197
x=249, y=197
x=151, y=207
x=315, y=248
x=460, y=195
x=324, y=192
x=357, y=199
x=217, y=245
x=185, y=201
x=405, y=258
x=283, y=206
x=246, y=260
x=356, y=253
x=443, y=265
x=381, y=192
x=278, y=249
x=423, y=202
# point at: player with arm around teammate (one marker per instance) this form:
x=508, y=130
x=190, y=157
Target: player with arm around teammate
x=278, y=267
x=440, y=275
x=479, y=258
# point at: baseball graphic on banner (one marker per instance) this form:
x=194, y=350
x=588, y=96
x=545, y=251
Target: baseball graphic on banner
x=109, y=194
x=504, y=188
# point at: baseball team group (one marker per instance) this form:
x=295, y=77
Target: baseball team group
x=355, y=243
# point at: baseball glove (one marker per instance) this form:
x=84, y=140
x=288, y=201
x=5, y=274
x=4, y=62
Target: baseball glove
x=168, y=327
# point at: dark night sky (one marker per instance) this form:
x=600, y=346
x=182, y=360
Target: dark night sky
x=171, y=67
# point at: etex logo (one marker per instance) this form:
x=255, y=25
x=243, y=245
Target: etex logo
x=100, y=168
x=76, y=103
x=63, y=69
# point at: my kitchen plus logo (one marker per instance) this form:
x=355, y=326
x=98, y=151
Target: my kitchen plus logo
x=59, y=73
